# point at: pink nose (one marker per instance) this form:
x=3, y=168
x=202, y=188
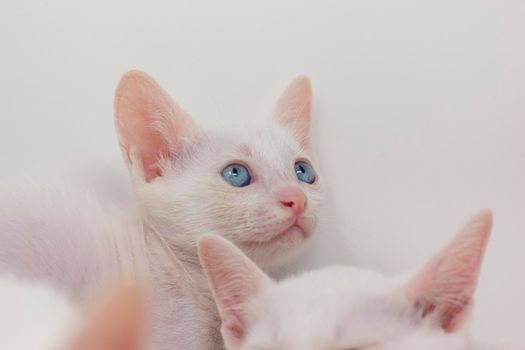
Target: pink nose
x=293, y=198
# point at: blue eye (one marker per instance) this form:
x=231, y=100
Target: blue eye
x=237, y=175
x=305, y=172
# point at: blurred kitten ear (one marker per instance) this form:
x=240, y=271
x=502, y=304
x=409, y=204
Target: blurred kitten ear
x=294, y=109
x=150, y=126
x=115, y=323
x=234, y=280
x=444, y=288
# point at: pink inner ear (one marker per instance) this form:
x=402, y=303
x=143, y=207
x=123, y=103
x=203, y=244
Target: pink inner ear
x=234, y=280
x=446, y=285
x=148, y=122
x=294, y=109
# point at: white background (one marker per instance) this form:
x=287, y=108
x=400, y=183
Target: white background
x=419, y=110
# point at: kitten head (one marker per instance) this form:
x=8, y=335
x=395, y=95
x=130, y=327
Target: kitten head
x=257, y=187
x=343, y=308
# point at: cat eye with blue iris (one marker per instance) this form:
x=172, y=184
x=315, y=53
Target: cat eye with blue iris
x=305, y=172
x=236, y=175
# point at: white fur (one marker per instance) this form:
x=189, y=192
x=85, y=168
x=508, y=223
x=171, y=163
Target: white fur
x=34, y=316
x=342, y=308
x=78, y=242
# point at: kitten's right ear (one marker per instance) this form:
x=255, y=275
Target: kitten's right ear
x=150, y=126
x=445, y=287
x=294, y=109
x=234, y=280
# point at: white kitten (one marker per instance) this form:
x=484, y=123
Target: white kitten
x=37, y=317
x=255, y=187
x=344, y=308
x=33, y=316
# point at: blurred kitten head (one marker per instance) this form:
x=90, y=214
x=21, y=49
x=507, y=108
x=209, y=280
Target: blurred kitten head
x=343, y=308
x=257, y=187
x=37, y=317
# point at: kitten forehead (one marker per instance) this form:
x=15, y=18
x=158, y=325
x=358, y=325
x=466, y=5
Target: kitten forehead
x=343, y=307
x=339, y=296
x=245, y=149
x=269, y=142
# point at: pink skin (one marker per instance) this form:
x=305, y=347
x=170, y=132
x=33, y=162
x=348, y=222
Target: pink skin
x=294, y=199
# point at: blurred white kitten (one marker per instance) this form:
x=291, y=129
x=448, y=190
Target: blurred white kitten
x=345, y=308
x=33, y=316
x=37, y=317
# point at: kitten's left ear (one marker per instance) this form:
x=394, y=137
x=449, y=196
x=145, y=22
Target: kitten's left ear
x=444, y=288
x=294, y=109
x=234, y=280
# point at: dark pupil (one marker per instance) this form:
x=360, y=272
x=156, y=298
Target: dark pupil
x=300, y=169
x=235, y=172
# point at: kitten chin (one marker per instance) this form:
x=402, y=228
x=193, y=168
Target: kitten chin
x=279, y=251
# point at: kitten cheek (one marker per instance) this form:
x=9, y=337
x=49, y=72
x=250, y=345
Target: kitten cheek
x=260, y=211
x=308, y=222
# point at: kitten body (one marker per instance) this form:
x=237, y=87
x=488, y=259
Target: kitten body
x=346, y=308
x=78, y=242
